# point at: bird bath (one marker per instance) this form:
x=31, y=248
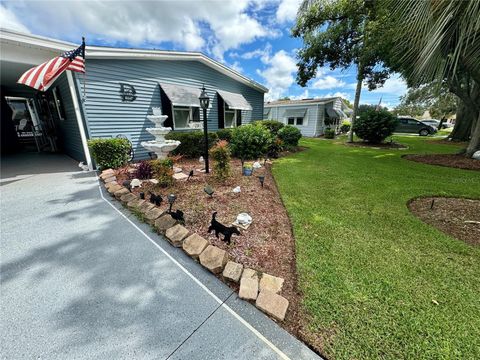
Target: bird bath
x=160, y=145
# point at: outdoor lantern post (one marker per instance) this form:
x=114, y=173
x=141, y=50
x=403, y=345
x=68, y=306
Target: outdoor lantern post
x=204, y=101
x=171, y=199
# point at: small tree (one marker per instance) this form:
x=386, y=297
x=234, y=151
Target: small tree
x=250, y=141
x=375, y=126
x=220, y=154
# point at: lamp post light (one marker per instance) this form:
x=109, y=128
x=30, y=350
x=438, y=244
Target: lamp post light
x=204, y=101
x=262, y=179
x=171, y=200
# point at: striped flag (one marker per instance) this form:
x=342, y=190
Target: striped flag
x=42, y=76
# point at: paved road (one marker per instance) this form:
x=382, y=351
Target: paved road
x=81, y=279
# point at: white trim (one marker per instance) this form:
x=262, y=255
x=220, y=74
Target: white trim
x=78, y=115
x=279, y=352
x=98, y=52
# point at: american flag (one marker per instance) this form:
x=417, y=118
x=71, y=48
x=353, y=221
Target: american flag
x=42, y=76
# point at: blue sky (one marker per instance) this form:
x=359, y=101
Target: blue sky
x=251, y=36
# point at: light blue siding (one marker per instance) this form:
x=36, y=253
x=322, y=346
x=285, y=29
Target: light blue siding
x=108, y=116
x=69, y=134
x=310, y=122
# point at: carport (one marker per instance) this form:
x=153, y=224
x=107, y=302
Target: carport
x=33, y=121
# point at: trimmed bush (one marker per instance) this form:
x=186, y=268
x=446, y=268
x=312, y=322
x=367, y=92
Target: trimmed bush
x=290, y=136
x=220, y=154
x=273, y=126
x=374, y=126
x=110, y=153
x=192, y=143
x=162, y=170
x=250, y=141
x=345, y=127
x=275, y=148
x=225, y=134
x=329, y=133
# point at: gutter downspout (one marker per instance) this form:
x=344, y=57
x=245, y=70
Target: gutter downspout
x=78, y=115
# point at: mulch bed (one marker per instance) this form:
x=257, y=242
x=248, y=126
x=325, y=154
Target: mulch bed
x=450, y=160
x=388, y=145
x=457, y=217
x=267, y=245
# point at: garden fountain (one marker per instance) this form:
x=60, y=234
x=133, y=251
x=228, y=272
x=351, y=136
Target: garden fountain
x=160, y=145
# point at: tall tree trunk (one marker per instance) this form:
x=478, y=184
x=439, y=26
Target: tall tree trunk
x=474, y=143
x=356, y=101
x=463, y=123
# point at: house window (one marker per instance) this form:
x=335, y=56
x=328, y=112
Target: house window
x=231, y=116
x=185, y=117
x=58, y=104
x=295, y=121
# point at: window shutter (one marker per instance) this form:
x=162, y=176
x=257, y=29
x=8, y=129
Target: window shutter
x=166, y=109
x=221, y=112
x=239, y=117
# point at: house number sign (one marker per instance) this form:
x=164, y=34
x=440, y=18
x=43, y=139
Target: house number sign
x=127, y=92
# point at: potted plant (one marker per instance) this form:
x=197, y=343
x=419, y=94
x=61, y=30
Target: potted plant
x=247, y=169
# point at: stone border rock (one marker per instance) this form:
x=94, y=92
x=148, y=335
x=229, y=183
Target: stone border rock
x=255, y=286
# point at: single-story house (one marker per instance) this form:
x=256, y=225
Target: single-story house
x=311, y=116
x=114, y=97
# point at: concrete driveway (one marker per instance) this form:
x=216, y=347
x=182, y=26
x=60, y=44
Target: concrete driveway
x=81, y=279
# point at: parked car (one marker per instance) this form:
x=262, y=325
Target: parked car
x=411, y=125
x=434, y=123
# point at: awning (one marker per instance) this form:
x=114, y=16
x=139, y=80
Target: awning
x=333, y=113
x=234, y=100
x=295, y=113
x=266, y=112
x=181, y=95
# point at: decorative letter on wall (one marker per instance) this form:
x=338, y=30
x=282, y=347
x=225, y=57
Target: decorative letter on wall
x=127, y=92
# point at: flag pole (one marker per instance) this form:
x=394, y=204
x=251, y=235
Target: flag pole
x=85, y=72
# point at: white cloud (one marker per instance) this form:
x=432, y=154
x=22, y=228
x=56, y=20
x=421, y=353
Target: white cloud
x=327, y=82
x=188, y=24
x=287, y=10
x=303, y=95
x=279, y=74
x=8, y=20
x=339, y=94
x=394, y=85
x=263, y=53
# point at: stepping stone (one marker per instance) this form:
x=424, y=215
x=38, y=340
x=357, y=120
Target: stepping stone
x=180, y=176
x=127, y=197
x=250, y=273
x=233, y=271
x=110, y=179
x=123, y=191
x=177, y=169
x=164, y=222
x=194, y=245
x=248, y=288
x=271, y=283
x=214, y=259
x=135, y=204
x=176, y=234
x=112, y=189
x=153, y=214
x=146, y=206
x=272, y=304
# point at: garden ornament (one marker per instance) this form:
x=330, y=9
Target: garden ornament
x=219, y=228
x=244, y=219
x=237, y=190
x=135, y=183
x=257, y=165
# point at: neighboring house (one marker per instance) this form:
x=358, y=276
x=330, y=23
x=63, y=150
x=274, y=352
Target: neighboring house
x=311, y=116
x=119, y=90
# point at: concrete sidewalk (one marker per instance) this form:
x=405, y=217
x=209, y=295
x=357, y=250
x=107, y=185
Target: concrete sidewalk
x=81, y=278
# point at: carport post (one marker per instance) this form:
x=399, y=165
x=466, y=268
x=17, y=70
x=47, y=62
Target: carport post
x=78, y=115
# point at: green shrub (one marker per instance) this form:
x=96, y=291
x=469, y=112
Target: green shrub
x=250, y=141
x=162, y=170
x=273, y=126
x=275, y=148
x=290, y=136
x=192, y=143
x=220, y=154
x=329, y=133
x=110, y=153
x=345, y=127
x=374, y=126
x=225, y=134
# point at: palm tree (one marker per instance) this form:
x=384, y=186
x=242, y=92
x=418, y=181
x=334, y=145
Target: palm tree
x=440, y=39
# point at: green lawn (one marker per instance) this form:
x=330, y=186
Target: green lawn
x=368, y=269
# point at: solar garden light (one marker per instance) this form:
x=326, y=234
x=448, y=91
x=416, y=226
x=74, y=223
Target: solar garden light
x=171, y=199
x=262, y=179
x=208, y=189
x=142, y=195
x=204, y=101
